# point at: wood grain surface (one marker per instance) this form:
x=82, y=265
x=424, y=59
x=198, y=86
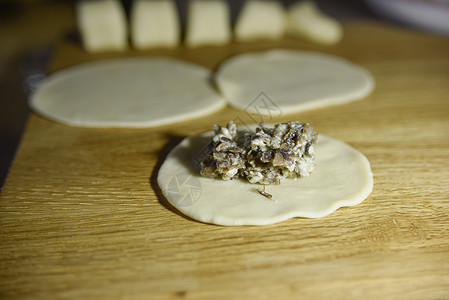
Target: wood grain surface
x=82, y=217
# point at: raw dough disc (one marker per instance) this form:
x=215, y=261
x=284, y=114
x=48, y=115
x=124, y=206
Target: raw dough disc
x=342, y=177
x=293, y=80
x=127, y=92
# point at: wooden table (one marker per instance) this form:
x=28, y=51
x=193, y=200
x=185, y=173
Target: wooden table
x=82, y=217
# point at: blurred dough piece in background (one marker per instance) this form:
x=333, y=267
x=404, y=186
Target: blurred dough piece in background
x=102, y=25
x=304, y=19
x=260, y=20
x=208, y=23
x=154, y=23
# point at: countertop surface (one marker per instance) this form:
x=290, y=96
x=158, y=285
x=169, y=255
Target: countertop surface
x=82, y=217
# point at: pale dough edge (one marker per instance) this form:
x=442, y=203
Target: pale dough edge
x=359, y=197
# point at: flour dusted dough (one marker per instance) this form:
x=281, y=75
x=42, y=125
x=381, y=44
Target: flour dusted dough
x=305, y=19
x=127, y=92
x=154, y=24
x=260, y=20
x=208, y=23
x=294, y=80
x=102, y=25
x=342, y=177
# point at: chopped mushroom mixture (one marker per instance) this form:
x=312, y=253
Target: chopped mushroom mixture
x=265, y=156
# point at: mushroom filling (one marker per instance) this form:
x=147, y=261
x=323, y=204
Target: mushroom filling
x=265, y=156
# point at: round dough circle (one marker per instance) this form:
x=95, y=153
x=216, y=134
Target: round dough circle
x=342, y=177
x=127, y=92
x=293, y=80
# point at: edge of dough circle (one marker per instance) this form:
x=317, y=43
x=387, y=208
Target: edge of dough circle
x=342, y=177
x=292, y=80
x=127, y=92
x=153, y=91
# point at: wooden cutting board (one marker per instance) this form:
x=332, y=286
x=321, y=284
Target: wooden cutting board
x=82, y=217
